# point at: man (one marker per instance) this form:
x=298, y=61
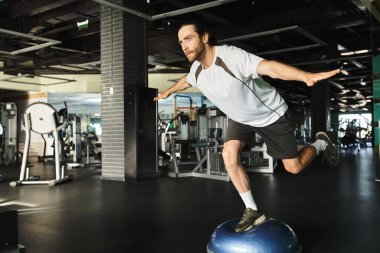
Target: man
x=231, y=79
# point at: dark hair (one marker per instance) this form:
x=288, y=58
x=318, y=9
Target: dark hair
x=201, y=29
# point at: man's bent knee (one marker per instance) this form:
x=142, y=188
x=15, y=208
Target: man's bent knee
x=292, y=166
x=293, y=169
x=230, y=153
x=230, y=158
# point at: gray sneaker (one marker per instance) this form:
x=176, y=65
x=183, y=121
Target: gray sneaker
x=250, y=218
x=331, y=153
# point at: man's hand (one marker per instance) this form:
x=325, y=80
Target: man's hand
x=180, y=85
x=161, y=95
x=312, y=78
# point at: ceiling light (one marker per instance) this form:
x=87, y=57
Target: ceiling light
x=365, y=109
x=356, y=91
x=344, y=100
x=66, y=67
x=342, y=110
x=332, y=99
x=347, y=53
x=361, y=51
x=357, y=64
x=340, y=47
x=345, y=63
x=337, y=85
x=344, y=72
x=362, y=82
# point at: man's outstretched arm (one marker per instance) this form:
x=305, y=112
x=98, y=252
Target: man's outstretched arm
x=278, y=70
x=180, y=85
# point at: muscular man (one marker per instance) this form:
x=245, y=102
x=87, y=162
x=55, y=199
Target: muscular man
x=231, y=79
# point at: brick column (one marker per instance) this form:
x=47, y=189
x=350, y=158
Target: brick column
x=129, y=127
x=112, y=93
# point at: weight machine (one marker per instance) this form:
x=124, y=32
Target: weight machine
x=9, y=150
x=259, y=160
x=42, y=118
x=212, y=124
x=93, y=148
x=1, y=141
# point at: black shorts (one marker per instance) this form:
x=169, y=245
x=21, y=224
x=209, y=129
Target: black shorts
x=278, y=136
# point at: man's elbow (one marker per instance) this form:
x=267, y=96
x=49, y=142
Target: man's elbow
x=267, y=68
x=186, y=86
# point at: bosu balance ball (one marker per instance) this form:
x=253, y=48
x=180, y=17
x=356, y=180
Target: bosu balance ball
x=271, y=236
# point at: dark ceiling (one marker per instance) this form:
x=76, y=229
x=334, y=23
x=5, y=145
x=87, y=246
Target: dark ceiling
x=39, y=37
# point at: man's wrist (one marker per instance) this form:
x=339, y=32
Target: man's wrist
x=302, y=77
x=167, y=93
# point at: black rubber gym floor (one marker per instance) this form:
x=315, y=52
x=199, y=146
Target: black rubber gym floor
x=331, y=209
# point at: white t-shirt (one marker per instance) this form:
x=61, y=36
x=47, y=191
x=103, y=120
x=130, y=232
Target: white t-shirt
x=233, y=85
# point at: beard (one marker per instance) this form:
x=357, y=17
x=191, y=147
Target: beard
x=196, y=54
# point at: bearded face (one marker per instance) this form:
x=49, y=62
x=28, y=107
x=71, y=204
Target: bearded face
x=193, y=45
x=196, y=53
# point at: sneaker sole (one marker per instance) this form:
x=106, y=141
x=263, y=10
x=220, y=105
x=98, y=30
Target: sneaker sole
x=258, y=221
x=326, y=138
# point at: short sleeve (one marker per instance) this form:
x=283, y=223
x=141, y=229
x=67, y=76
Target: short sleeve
x=246, y=63
x=191, y=75
x=190, y=78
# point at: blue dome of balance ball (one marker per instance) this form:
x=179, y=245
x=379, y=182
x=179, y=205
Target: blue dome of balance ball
x=271, y=236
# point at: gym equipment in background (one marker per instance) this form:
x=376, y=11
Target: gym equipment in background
x=209, y=159
x=93, y=149
x=208, y=162
x=257, y=158
x=271, y=236
x=42, y=118
x=9, y=140
x=1, y=150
